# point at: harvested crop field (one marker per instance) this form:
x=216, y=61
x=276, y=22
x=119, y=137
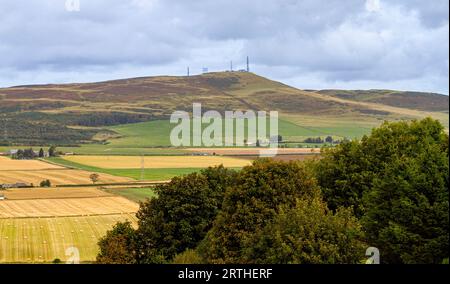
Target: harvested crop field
x=66, y=207
x=52, y=193
x=7, y=164
x=286, y=158
x=41, y=240
x=157, y=162
x=56, y=176
x=252, y=151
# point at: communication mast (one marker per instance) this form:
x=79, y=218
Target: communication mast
x=248, y=64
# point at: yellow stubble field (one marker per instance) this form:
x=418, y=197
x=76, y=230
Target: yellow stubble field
x=38, y=225
x=35, y=171
x=66, y=207
x=158, y=162
x=7, y=164
x=57, y=177
x=41, y=240
x=53, y=193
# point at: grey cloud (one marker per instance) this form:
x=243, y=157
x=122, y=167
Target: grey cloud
x=324, y=42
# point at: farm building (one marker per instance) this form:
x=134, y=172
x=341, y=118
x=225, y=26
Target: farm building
x=2, y=197
x=14, y=185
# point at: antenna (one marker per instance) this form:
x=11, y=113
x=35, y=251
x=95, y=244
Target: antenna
x=188, y=71
x=231, y=65
x=248, y=65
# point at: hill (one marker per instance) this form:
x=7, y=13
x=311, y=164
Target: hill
x=69, y=114
x=412, y=100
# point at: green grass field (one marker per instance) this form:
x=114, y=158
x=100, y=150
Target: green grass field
x=133, y=194
x=153, y=137
x=157, y=133
x=149, y=174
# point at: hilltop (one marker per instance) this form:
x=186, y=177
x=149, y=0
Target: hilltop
x=83, y=112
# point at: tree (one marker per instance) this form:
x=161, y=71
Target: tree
x=45, y=183
x=94, y=178
x=252, y=203
x=329, y=139
x=309, y=233
x=118, y=245
x=181, y=215
x=396, y=179
x=52, y=151
x=189, y=256
x=41, y=153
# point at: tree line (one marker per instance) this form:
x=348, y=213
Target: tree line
x=29, y=153
x=389, y=190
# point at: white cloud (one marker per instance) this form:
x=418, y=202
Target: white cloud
x=350, y=43
x=373, y=5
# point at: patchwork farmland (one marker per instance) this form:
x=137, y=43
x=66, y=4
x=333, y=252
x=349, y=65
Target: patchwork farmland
x=34, y=171
x=38, y=225
x=57, y=177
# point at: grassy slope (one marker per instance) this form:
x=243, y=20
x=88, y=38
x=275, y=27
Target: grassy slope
x=315, y=113
x=413, y=100
x=157, y=133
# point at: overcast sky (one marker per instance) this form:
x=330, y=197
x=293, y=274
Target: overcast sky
x=310, y=44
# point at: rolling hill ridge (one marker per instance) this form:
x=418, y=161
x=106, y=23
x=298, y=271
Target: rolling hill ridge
x=76, y=113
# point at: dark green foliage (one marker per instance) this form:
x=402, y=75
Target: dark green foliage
x=52, y=151
x=118, y=246
x=397, y=181
x=45, y=183
x=181, y=215
x=26, y=154
x=35, y=132
x=344, y=175
x=251, y=204
x=313, y=140
x=189, y=256
x=41, y=153
x=309, y=233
